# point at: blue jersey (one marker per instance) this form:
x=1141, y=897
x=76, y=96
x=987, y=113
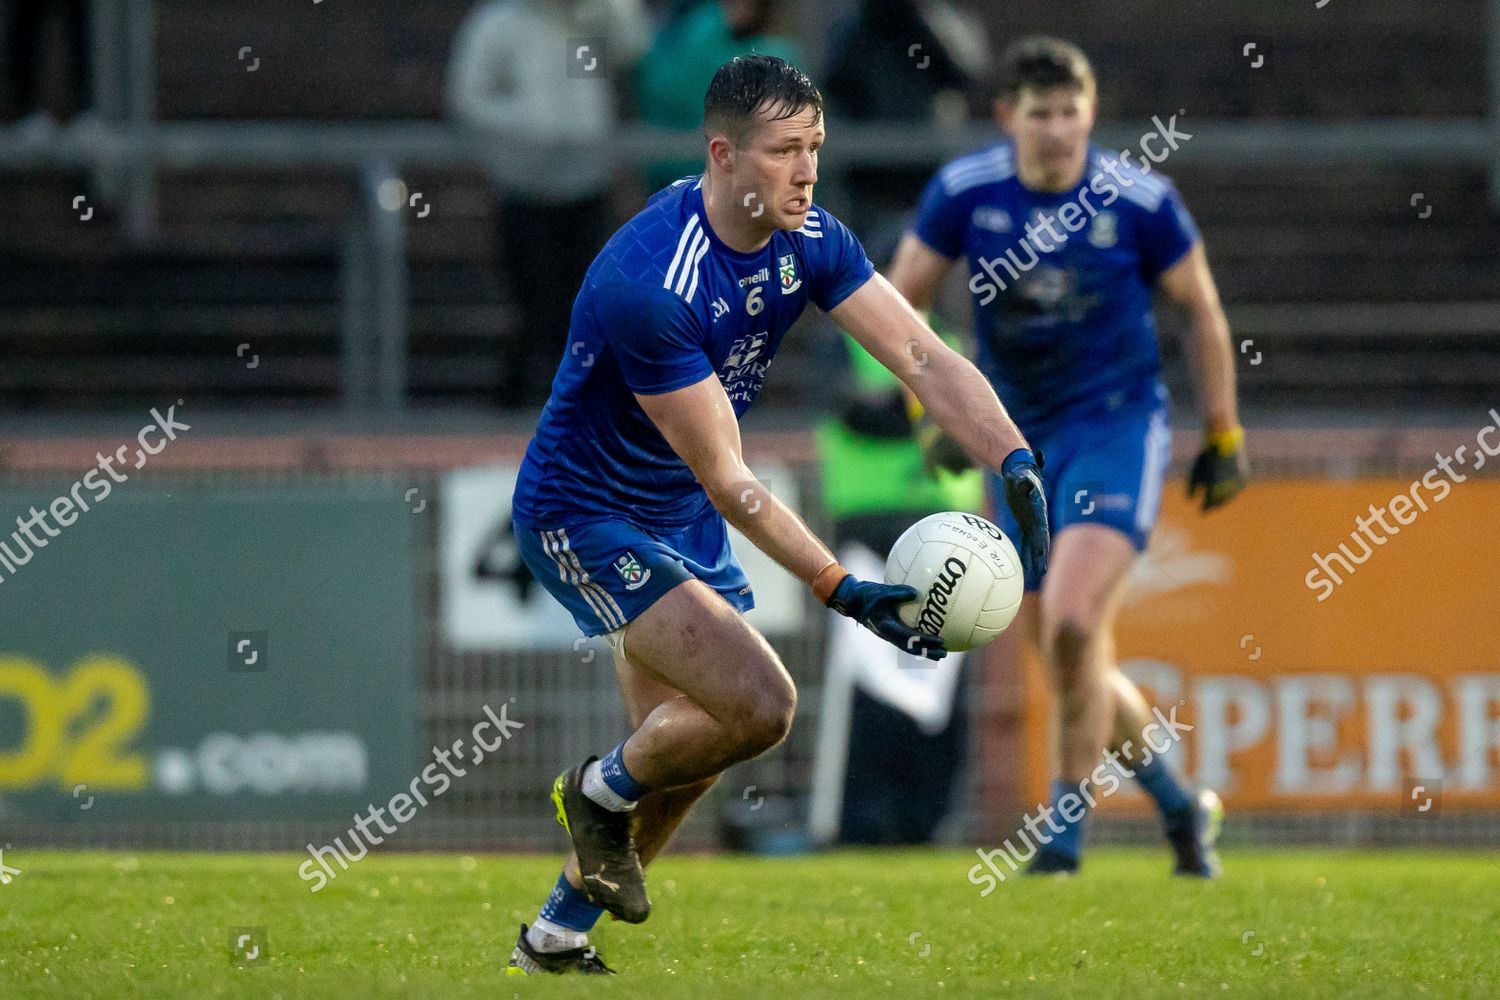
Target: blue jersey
x=665, y=305
x=1063, y=324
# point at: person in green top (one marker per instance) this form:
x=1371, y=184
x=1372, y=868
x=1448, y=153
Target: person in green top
x=889, y=744
x=875, y=468
x=698, y=38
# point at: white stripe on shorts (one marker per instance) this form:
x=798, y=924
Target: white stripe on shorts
x=567, y=574
x=603, y=594
x=1158, y=454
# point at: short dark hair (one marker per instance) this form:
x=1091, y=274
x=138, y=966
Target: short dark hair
x=746, y=86
x=1040, y=62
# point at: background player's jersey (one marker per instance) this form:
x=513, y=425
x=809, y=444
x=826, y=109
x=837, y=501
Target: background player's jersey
x=665, y=305
x=1061, y=325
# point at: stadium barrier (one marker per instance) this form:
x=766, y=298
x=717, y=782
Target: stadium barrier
x=368, y=572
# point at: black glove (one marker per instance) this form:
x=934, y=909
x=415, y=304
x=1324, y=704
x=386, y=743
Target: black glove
x=1221, y=469
x=878, y=416
x=874, y=605
x=941, y=450
x=1022, y=474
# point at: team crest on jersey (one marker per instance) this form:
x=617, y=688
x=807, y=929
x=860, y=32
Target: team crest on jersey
x=1104, y=232
x=789, y=280
x=629, y=568
x=996, y=220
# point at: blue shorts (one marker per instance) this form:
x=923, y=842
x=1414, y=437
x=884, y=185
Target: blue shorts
x=1107, y=469
x=606, y=571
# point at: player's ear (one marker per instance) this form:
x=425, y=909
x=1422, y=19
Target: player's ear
x=1005, y=112
x=721, y=153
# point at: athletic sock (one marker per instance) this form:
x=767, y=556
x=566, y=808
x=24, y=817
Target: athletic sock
x=1068, y=843
x=565, y=919
x=608, y=783
x=1161, y=784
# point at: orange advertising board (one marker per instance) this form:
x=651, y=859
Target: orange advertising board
x=1317, y=676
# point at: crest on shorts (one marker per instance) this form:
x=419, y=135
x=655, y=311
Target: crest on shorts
x=789, y=280
x=629, y=568
x=1104, y=231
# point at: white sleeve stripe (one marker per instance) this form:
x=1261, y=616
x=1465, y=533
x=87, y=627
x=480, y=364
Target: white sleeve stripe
x=1136, y=194
x=979, y=163
x=960, y=175
x=695, y=253
x=696, y=258
x=682, y=243
x=1156, y=186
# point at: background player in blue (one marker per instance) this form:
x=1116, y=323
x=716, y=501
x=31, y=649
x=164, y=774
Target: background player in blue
x=623, y=496
x=1066, y=243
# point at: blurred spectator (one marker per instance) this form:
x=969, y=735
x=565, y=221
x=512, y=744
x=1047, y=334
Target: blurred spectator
x=531, y=85
x=698, y=38
x=896, y=61
x=28, y=47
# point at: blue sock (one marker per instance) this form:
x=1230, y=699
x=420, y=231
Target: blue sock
x=612, y=770
x=569, y=907
x=1069, y=842
x=1162, y=785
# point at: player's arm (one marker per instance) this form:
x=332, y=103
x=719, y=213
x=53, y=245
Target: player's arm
x=957, y=397
x=918, y=271
x=951, y=389
x=1221, y=468
x=698, y=421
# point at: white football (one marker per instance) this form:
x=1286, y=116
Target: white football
x=967, y=576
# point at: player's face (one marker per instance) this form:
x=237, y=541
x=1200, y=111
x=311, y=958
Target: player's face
x=1051, y=127
x=778, y=166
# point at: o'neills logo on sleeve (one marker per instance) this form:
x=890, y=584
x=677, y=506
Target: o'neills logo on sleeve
x=935, y=608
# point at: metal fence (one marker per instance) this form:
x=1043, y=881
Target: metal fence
x=570, y=703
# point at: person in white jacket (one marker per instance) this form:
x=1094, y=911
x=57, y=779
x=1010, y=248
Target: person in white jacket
x=531, y=85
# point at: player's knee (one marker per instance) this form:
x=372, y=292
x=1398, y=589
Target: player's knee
x=1068, y=642
x=769, y=719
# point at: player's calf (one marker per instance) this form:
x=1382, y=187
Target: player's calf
x=660, y=813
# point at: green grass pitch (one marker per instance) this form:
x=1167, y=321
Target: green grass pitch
x=847, y=924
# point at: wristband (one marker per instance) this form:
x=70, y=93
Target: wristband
x=1018, y=457
x=1228, y=442
x=827, y=580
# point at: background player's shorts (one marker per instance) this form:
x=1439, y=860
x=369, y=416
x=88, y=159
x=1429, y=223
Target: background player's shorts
x=1105, y=469
x=607, y=571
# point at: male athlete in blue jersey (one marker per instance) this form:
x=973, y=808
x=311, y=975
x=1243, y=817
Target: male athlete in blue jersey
x=623, y=496
x=1066, y=243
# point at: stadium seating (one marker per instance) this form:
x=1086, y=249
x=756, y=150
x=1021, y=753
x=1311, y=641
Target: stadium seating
x=1311, y=262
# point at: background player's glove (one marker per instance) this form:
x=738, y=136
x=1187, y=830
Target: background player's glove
x=878, y=415
x=1221, y=469
x=941, y=450
x=875, y=606
x=1022, y=473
